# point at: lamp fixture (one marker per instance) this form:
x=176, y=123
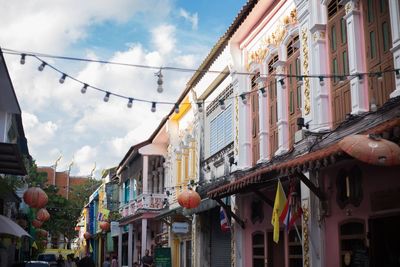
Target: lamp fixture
x=300, y=123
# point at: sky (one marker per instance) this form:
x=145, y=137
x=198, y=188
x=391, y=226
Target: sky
x=82, y=129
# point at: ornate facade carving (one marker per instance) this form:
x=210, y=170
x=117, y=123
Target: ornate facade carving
x=304, y=45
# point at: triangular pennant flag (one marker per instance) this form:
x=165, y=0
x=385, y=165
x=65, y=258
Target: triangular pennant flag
x=34, y=245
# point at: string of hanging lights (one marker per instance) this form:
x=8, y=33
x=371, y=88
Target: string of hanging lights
x=341, y=78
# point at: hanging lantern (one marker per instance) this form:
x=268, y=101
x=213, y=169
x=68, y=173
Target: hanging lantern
x=189, y=199
x=43, y=215
x=105, y=226
x=41, y=233
x=35, y=197
x=87, y=235
x=36, y=223
x=371, y=149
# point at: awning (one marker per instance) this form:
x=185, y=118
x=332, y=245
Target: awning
x=9, y=227
x=169, y=213
x=273, y=170
x=11, y=161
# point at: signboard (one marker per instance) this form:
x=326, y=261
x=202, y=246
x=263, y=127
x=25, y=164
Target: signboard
x=180, y=227
x=114, y=226
x=162, y=257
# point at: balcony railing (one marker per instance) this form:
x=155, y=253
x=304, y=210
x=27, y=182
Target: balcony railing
x=142, y=202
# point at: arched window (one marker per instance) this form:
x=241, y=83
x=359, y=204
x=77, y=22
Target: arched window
x=272, y=105
x=294, y=87
x=258, y=243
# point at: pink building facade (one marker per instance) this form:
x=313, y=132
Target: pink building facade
x=318, y=71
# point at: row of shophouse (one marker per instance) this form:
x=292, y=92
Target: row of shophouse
x=278, y=93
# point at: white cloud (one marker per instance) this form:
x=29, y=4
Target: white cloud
x=163, y=38
x=193, y=19
x=37, y=132
x=85, y=159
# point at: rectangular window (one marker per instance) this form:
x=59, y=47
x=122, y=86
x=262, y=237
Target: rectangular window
x=343, y=31
x=290, y=74
x=126, y=191
x=271, y=90
x=271, y=119
x=382, y=5
x=385, y=31
x=221, y=130
x=298, y=67
x=335, y=70
x=333, y=38
x=298, y=96
x=370, y=11
x=276, y=112
x=291, y=107
x=345, y=62
x=372, y=44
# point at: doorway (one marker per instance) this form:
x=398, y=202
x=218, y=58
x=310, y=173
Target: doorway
x=384, y=234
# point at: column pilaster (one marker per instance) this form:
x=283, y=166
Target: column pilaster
x=130, y=243
x=282, y=102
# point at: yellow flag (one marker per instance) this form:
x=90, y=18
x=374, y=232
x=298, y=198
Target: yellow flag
x=279, y=203
x=90, y=248
x=34, y=245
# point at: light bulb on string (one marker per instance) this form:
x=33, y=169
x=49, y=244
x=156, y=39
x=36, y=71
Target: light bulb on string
x=263, y=92
x=62, y=79
x=176, y=109
x=300, y=80
x=41, y=67
x=282, y=82
x=379, y=76
x=221, y=104
x=200, y=107
x=84, y=88
x=22, y=60
x=244, y=98
x=130, y=103
x=321, y=81
x=107, y=97
x=153, y=107
x=159, y=81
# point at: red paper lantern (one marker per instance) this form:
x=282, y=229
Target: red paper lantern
x=105, y=226
x=35, y=197
x=189, y=199
x=86, y=235
x=36, y=223
x=41, y=233
x=42, y=215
